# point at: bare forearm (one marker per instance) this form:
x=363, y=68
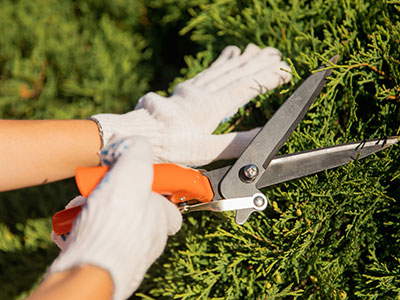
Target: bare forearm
x=39, y=151
x=82, y=283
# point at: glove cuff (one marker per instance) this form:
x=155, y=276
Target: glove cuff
x=137, y=122
x=101, y=133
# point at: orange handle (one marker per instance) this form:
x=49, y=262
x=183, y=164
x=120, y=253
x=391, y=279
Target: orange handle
x=177, y=183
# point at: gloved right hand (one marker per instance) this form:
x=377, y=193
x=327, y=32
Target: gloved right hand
x=180, y=127
x=123, y=228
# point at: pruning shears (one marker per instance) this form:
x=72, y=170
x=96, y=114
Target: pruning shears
x=237, y=187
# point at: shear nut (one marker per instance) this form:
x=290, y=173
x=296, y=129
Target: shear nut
x=248, y=173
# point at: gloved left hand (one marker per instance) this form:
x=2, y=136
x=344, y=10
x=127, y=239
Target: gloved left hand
x=179, y=128
x=123, y=228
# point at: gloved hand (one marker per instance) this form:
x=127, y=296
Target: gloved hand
x=180, y=127
x=124, y=226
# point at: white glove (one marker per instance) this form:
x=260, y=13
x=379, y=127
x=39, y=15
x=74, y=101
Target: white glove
x=180, y=127
x=124, y=226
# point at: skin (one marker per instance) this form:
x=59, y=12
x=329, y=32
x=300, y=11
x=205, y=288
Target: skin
x=36, y=152
x=82, y=283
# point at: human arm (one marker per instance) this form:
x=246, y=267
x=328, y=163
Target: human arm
x=34, y=152
x=82, y=283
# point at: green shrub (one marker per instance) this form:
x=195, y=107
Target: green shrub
x=334, y=235
x=71, y=59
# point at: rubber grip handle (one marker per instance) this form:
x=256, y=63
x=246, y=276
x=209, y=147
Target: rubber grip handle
x=178, y=184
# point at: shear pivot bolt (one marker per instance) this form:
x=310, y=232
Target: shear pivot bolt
x=249, y=173
x=259, y=201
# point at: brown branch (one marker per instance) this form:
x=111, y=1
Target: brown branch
x=373, y=68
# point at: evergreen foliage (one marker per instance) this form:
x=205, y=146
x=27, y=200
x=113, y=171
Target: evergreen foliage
x=334, y=235
x=71, y=59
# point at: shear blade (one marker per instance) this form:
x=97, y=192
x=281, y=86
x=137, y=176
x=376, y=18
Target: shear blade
x=242, y=215
x=273, y=135
x=287, y=167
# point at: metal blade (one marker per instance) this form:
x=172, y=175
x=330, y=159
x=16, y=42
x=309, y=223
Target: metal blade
x=292, y=166
x=274, y=134
x=242, y=215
